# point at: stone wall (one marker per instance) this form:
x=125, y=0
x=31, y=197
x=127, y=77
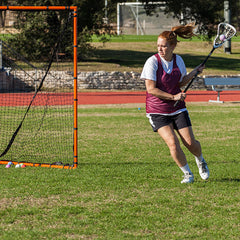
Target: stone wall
x=86, y=80
x=118, y=80
x=110, y=80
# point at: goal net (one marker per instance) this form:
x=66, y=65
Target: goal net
x=38, y=87
x=132, y=19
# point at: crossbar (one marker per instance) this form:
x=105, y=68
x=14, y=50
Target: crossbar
x=40, y=8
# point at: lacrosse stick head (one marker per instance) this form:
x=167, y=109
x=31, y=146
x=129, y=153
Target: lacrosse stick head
x=224, y=33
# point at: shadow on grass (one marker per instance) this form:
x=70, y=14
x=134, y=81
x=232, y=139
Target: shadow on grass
x=137, y=59
x=124, y=58
x=134, y=164
x=228, y=180
x=213, y=62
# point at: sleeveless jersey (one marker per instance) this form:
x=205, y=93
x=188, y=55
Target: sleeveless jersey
x=168, y=83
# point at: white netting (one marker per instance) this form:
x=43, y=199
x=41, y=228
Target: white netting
x=132, y=19
x=225, y=32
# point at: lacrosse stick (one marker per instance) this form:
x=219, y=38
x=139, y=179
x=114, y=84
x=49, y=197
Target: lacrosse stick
x=225, y=32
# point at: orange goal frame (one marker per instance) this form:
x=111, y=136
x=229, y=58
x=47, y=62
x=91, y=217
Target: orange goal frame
x=75, y=103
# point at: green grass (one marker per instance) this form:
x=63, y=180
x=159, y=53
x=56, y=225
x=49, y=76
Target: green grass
x=127, y=186
x=129, y=53
x=146, y=38
x=127, y=38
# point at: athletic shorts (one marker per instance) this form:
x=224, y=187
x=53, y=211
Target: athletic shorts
x=180, y=120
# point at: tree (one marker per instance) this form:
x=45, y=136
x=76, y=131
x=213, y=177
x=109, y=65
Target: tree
x=90, y=21
x=206, y=14
x=3, y=13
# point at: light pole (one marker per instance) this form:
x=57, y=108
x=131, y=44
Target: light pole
x=227, y=17
x=106, y=13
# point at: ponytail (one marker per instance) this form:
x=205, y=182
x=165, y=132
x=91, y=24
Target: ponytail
x=181, y=31
x=184, y=31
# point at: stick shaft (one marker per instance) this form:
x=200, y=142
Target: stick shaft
x=190, y=83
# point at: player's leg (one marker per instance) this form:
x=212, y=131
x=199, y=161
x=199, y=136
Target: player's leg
x=189, y=141
x=194, y=147
x=169, y=136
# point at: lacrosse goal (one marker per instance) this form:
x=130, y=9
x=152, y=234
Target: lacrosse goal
x=132, y=19
x=38, y=86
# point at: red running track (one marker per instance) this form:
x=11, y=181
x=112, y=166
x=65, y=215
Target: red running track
x=23, y=99
x=139, y=97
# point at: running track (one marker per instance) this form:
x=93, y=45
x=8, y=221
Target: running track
x=139, y=97
x=84, y=98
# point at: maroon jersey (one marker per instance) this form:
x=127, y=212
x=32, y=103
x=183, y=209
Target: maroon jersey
x=168, y=83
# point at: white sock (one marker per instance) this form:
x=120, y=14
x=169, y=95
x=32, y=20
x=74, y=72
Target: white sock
x=186, y=169
x=199, y=159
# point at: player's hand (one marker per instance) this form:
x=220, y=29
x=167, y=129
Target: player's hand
x=200, y=68
x=179, y=97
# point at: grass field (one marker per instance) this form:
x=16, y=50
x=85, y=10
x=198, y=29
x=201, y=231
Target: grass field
x=127, y=186
x=129, y=53
x=146, y=38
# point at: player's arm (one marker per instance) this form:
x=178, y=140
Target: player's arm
x=152, y=89
x=187, y=78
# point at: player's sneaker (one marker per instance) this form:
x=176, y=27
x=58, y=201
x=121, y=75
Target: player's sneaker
x=188, y=178
x=203, y=169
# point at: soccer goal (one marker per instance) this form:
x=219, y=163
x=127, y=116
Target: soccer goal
x=132, y=19
x=38, y=86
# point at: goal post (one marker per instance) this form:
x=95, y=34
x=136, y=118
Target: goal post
x=38, y=87
x=132, y=19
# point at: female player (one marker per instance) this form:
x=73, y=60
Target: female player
x=164, y=74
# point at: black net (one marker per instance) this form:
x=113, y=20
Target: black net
x=36, y=87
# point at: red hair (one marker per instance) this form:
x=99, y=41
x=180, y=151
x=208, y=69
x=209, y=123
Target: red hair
x=181, y=31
